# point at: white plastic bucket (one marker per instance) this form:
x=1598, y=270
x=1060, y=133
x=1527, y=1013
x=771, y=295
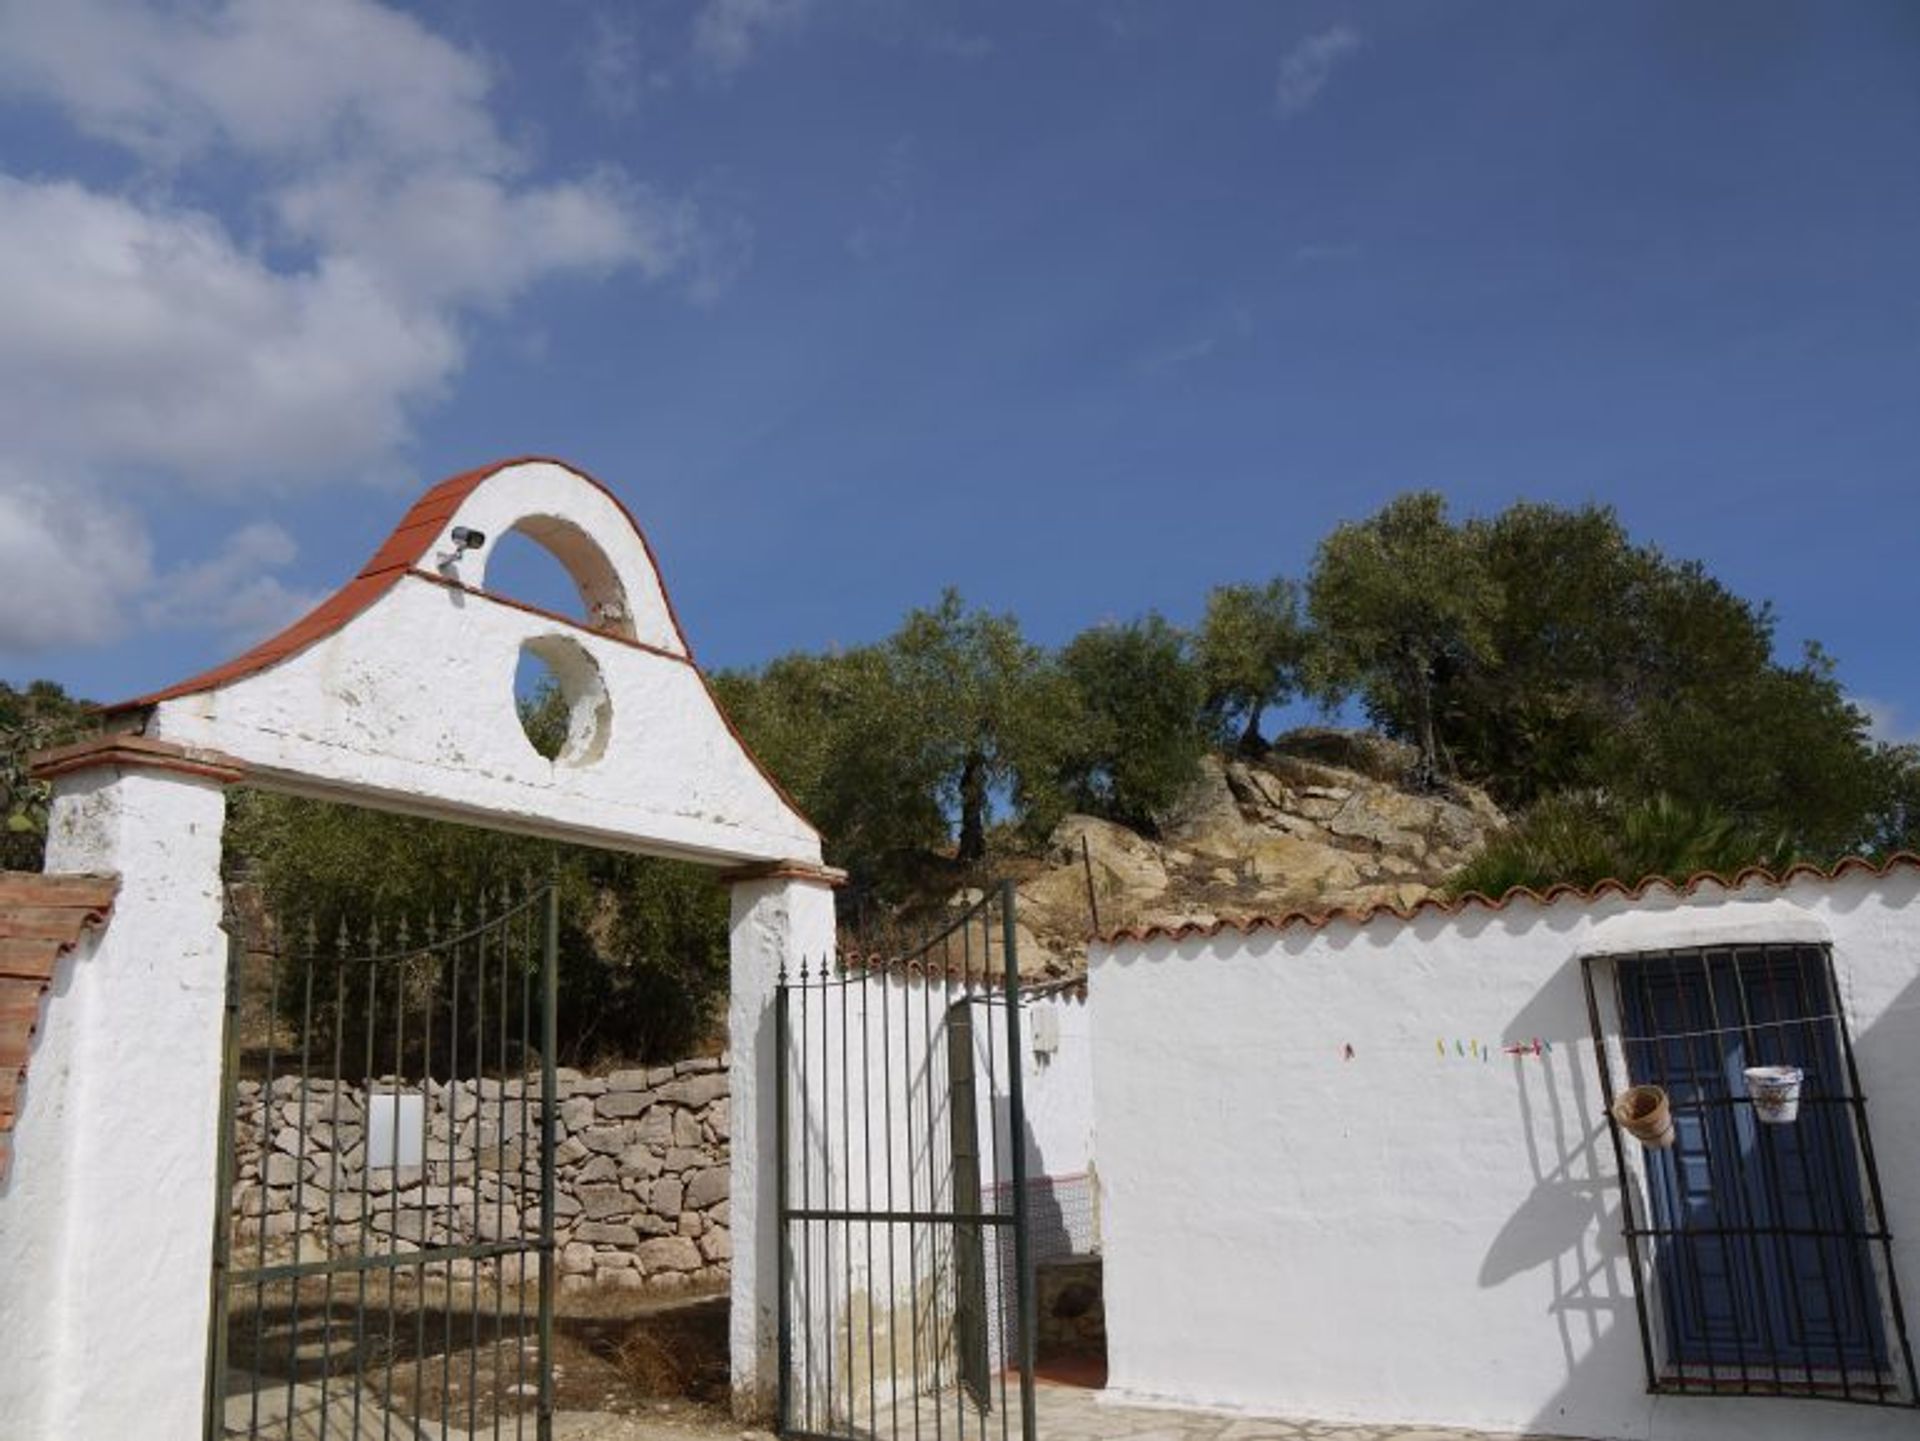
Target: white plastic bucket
x=1775, y=1091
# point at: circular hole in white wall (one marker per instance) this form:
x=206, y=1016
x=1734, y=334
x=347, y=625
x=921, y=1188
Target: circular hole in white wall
x=562, y=700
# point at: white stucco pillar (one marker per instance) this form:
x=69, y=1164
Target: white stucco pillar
x=781, y=915
x=106, y=1224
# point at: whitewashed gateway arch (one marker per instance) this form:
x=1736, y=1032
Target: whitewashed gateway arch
x=397, y=692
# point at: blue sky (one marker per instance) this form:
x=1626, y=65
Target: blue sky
x=1081, y=305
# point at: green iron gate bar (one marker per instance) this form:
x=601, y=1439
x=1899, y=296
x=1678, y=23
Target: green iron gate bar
x=905, y=1282
x=383, y=1260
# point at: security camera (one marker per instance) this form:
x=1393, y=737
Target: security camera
x=465, y=540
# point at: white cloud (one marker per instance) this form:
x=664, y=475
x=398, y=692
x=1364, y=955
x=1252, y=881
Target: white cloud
x=234, y=591
x=1305, y=69
x=1887, y=722
x=290, y=79
x=150, y=343
x=727, y=32
x=71, y=560
x=460, y=238
x=614, y=64
x=143, y=336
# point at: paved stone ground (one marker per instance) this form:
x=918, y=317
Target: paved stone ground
x=1072, y=1413
x=1067, y=1413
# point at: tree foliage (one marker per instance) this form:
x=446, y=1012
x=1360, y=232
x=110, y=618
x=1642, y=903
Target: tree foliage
x=970, y=682
x=1140, y=724
x=643, y=942
x=1584, y=837
x=839, y=732
x=907, y=748
x=1401, y=600
x=1628, y=704
x=36, y=718
x=1612, y=665
x=1254, y=649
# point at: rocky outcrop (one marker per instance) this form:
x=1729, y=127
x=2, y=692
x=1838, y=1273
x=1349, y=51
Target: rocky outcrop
x=1321, y=821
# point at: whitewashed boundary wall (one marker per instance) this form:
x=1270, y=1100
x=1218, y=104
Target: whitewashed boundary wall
x=1392, y=1234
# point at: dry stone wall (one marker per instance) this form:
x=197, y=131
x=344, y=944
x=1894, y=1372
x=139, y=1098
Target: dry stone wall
x=641, y=1171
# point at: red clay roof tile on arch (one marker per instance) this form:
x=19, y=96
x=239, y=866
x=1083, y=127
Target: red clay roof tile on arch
x=1473, y=900
x=41, y=919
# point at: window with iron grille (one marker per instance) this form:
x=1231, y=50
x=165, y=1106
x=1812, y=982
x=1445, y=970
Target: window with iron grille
x=1762, y=1264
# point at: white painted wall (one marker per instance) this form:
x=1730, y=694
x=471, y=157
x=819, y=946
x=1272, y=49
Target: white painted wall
x=775, y=923
x=106, y=1222
x=1405, y=1237
x=1059, y=1091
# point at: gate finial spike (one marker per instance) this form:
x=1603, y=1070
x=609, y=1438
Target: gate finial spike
x=373, y=935
x=403, y=934
x=310, y=938
x=342, y=941
x=454, y=926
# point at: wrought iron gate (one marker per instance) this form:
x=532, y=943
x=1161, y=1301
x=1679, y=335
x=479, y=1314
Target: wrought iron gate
x=906, y=1284
x=383, y=1250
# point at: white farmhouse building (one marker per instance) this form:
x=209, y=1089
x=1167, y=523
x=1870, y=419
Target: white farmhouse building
x=1359, y=1166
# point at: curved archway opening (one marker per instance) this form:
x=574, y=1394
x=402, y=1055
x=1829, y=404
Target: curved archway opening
x=521, y=569
x=555, y=566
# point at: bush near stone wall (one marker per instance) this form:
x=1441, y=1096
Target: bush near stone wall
x=641, y=1176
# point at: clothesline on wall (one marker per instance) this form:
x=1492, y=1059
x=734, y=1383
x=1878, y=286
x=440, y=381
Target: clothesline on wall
x=1760, y=1025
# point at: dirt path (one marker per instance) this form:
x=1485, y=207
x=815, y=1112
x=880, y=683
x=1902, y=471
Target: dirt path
x=599, y=1426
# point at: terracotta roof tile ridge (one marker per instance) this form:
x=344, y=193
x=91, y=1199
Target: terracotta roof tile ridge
x=1318, y=919
x=878, y=963
x=42, y=918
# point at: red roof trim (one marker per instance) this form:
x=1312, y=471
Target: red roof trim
x=1473, y=900
x=398, y=555
x=42, y=917
x=134, y=752
x=976, y=975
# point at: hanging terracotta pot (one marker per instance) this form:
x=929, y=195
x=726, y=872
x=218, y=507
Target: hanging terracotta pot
x=1644, y=1112
x=1775, y=1092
